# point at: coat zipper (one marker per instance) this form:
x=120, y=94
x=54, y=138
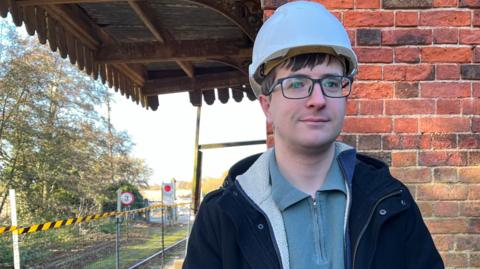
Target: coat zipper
x=368, y=222
x=270, y=230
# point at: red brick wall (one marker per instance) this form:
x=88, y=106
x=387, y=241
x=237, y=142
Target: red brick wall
x=416, y=105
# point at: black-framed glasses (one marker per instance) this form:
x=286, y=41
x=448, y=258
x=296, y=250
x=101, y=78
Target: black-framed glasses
x=300, y=86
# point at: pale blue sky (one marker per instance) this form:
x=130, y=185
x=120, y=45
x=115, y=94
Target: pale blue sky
x=165, y=138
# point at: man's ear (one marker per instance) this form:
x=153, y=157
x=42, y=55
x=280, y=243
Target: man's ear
x=265, y=104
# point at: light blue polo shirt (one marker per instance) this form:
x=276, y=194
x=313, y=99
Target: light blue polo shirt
x=314, y=228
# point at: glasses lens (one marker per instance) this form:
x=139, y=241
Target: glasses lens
x=296, y=87
x=336, y=86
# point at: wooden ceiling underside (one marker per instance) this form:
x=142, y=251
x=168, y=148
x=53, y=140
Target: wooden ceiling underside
x=146, y=48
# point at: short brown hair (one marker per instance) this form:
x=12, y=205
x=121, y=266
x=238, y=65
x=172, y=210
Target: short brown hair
x=296, y=63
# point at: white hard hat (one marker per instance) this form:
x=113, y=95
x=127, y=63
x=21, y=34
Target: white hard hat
x=297, y=28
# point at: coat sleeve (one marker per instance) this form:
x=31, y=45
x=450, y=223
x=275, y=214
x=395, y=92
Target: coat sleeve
x=203, y=250
x=420, y=248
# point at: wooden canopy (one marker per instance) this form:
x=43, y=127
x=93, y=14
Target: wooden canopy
x=147, y=48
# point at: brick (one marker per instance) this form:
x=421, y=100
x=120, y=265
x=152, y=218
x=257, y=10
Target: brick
x=445, y=192
x=476, y=125
x=470, y=71
x=448, y=72
x=372, y=90
x=407, y=55
x=445, y=36
x=406, y=18
x=448, y=106
x=444, y=125
x=409, y=72
x=270, y=141
x=412, y=174
x=367, y=125
x=471, y=106
x=476, y=53
x=446, y=55
x=409, y=107
x=374, y=55
x=445, y=175
x=351, y=35
x=474, y=225
x=369, y=72
x=475, y=259
x=448, y=18
x=470, y=36
x=445, y=3
x=475, y=89
x=444, y=141
x=437, y=158
x=368, y=18
x=380, y=155
x=352, y=107
x=470, y=209
x=400, y=159
x=444, y=242
x=445, y=209
x=469, y=174
x=406, y=89
x=340, y=4
x=367, y=4
x=469, y=3
x=405, y=125
x=406, y=142
x=425, y=208
x=371, y=107
x=455, y=260
x=267, y=13
x=369, y=142
x=338, y=15
x=369, y=37
x=407, y=37
x=474, y=192
x=445, y=89
x=476, y=18
x=468, y=242
x=348, y=139
x=404, y=4
x=474, y=158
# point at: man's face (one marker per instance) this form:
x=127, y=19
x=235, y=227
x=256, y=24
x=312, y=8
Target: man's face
x=312, y=123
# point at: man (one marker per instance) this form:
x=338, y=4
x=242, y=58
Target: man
x=309, y=202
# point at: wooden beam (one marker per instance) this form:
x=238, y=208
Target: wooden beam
x=145, y=15
x=249, y=23
x=143, y=11
x=200, y=82
x=191, y=50
x=57, y=2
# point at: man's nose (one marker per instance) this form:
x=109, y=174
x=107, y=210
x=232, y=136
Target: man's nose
x=317, y=98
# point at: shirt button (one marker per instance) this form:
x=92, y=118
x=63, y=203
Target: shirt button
x=382, y=212
x=260, y=226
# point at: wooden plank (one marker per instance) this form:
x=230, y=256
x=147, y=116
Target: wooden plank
x=103, y=73
x=200, y=82
x=41, y=25
x=80, y=56
x=195, y=97
x=187, y=67
x=4, y=5
x=88, y=61
x=191, y=50
x=30, y=20
x=61, y=41
x=223, y=95
x=147, y=18
x=209, y=96
x=52, y=33
x=95, y=70
x=71, y=47
x=152, y=102
x=56, y=2
x=17, y=12
x=109, y=75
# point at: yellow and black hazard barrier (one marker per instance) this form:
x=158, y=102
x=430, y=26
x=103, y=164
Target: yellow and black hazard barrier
x=71, y=221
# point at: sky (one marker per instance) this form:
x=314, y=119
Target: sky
x=166, y=138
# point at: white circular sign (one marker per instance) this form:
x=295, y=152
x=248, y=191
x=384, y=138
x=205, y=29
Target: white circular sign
x=127, y=198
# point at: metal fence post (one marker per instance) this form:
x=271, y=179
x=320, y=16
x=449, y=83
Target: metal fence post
x=117, y=238
x=16, y=251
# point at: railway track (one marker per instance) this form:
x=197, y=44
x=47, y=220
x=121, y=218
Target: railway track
x=155, y=259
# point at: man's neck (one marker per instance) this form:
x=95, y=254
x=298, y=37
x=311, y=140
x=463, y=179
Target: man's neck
x=306, y=170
